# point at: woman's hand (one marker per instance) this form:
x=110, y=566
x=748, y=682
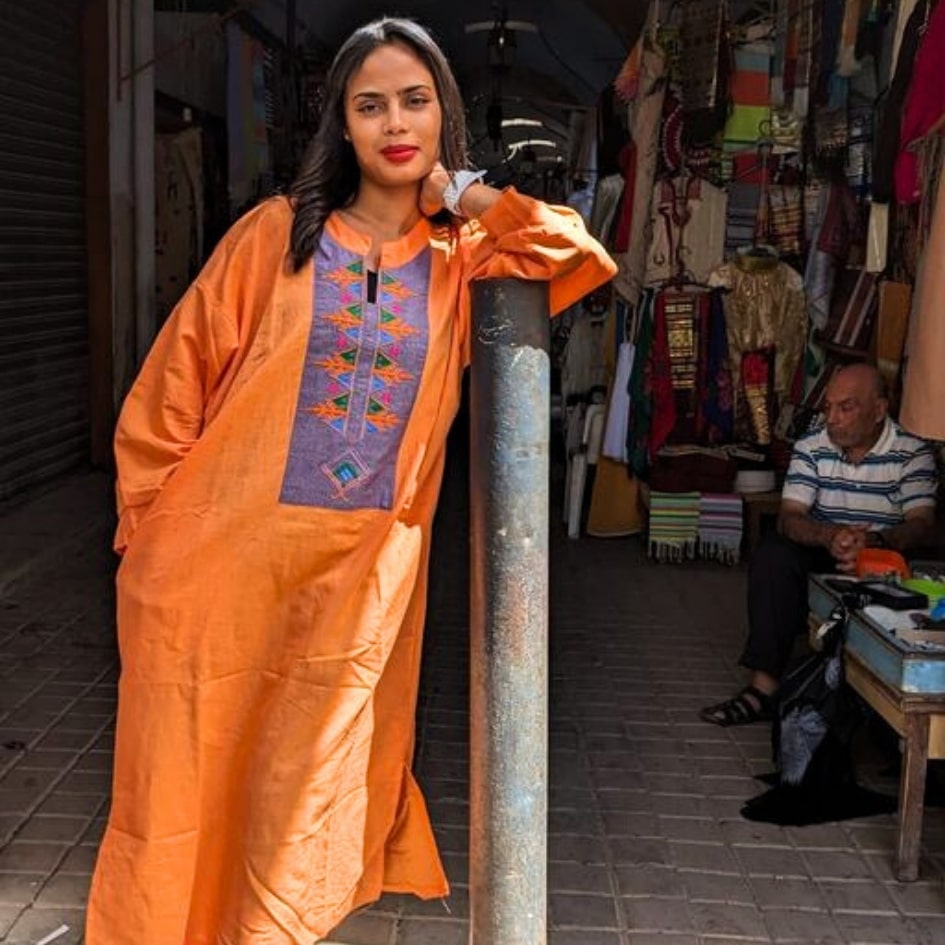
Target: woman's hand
x=431, y=190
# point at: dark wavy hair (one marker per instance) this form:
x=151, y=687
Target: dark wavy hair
x=329, y=175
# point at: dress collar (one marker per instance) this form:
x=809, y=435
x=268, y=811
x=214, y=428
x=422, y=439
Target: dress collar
x=394, y=253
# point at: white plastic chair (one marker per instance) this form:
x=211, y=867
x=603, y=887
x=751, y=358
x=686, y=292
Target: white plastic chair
x=586, y=454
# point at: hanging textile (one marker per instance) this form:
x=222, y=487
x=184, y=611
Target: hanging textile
x=924, y=105
x=751, y=96
x=632, y=264
x=716, y=405
x=618, y=409
x=640, y=415
x=765, y=306
x=688, y=229
x=924, y=386
x=704, y=66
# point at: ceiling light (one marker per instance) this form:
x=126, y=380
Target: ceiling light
x=522, y=123
x=533, y=143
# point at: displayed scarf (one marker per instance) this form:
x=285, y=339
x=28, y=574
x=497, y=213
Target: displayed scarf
x=720, y=526
x=674, y=525
x=750, y=91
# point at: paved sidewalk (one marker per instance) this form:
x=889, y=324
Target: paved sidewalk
x=646, y=843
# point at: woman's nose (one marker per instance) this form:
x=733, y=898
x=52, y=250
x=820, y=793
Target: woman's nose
x=395, y=119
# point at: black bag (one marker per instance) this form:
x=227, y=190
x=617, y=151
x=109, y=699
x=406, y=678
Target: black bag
x=812, y=743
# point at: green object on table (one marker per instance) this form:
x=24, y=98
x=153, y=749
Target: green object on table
x=934, y=590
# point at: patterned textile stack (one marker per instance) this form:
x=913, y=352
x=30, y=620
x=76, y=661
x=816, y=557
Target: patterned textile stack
x=720, y=526
x=674, y=525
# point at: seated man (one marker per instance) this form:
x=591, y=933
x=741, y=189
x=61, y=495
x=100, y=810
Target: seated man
x=860, y=482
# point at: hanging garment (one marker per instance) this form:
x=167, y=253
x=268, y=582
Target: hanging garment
x=606, y=202
x=716, y=401
x=889, y=107
x=687, y=219
x=645, y=131
x=618, y=409
x=640, y=416
x=704, y=67
x=923, y=394
x=765, y=306
x=279, y=460
x=757, y=390
x=924, y=105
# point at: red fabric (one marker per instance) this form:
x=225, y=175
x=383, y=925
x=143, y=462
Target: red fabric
x=925, y=105
x=661, y=380
x=628, y=165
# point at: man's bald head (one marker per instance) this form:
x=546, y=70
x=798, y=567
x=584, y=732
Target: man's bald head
x=855, y=406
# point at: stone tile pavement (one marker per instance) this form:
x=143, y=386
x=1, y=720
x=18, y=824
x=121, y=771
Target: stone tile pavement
x=645, y=839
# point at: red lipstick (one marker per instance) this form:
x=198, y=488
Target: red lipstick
x=399, y=153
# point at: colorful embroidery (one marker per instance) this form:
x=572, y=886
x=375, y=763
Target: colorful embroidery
x=362, y=370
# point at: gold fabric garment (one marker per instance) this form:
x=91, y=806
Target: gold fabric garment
x=764, y=306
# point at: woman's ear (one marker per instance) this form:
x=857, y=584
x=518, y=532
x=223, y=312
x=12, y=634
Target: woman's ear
x=347, y=136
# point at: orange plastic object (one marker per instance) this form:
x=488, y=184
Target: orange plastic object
x=881, y=562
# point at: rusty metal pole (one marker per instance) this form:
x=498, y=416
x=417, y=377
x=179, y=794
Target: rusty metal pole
x=509, y=613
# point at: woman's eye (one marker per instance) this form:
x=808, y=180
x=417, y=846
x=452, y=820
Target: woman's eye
x=369, y=108
x=417, y=101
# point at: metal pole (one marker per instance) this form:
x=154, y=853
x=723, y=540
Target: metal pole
x=509, y=613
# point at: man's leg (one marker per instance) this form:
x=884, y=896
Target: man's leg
x=777, y=605
x=777, y=613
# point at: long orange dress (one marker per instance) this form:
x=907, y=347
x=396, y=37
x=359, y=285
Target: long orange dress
x=279, y=460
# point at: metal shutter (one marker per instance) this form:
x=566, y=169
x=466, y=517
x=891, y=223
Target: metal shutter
x=44, y=335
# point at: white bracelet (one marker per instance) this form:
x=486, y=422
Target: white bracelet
x=459, y=181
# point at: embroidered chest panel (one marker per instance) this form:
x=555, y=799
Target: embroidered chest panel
x=363, y=367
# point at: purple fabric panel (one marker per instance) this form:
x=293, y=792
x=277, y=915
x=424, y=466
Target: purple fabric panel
x=362, y=371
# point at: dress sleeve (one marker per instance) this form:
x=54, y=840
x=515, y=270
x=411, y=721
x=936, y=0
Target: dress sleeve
x=164, y=413
x=183, y=375
x=522, y=238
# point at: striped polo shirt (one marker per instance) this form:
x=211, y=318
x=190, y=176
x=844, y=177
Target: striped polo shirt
x=897, y=475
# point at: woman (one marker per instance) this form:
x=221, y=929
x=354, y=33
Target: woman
x=279, y=460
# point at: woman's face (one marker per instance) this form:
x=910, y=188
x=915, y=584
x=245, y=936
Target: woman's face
x=393, y=117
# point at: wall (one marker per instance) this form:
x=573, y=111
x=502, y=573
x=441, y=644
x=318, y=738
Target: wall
x=131, y=173
x=195, y=71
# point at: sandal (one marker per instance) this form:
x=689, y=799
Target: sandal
x=740, y=710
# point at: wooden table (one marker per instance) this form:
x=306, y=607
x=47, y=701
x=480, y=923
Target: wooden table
x=905, y=685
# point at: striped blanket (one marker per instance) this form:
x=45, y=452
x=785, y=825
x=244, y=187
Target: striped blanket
x=686, y=524
x=674, y=525
x=720, y=526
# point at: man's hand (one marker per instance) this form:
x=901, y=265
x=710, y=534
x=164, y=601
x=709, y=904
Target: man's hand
x=846, y=544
